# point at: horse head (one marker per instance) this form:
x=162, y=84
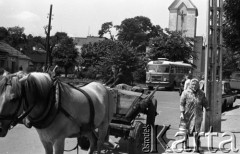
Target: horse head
x=10, y=102
x=21, y=97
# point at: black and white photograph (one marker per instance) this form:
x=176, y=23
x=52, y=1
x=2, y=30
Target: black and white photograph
x=119, y=76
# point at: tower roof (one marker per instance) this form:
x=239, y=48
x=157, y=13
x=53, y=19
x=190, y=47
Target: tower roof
x=178, y=3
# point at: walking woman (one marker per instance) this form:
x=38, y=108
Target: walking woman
x=192, y=102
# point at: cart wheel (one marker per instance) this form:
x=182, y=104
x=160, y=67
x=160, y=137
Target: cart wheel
x=151, y=112
x=136, y=139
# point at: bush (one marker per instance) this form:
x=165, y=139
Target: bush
x=90, y=73
x=139, y=75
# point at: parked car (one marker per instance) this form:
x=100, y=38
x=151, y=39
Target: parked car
x=235, y=81
x=228, y=96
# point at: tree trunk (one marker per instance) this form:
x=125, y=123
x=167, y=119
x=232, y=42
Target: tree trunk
x=66, y=71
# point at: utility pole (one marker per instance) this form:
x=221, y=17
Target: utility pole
x=213, y=66
x=48, y=38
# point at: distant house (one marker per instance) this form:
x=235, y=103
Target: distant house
x=80, y=41
x=11, y=59
x=38, y=57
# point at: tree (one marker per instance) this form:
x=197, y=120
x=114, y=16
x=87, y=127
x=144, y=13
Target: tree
x=3, y=33
x=16, y=38
x=100, y=56
x=231, y=24
x=137, y=31
x=230, y=63
x=54, y=41
x=106, y=28
x=173, y=46
x=65, y=54
x=231, y=35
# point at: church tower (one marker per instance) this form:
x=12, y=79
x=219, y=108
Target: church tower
x=183, y=17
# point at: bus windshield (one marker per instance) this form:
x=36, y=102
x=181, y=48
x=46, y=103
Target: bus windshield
x=158, y=68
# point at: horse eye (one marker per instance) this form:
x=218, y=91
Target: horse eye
x=13, y=99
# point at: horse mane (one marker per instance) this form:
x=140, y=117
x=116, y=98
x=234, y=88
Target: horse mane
x=38, y=84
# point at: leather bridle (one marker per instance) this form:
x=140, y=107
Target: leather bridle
x=15, y=118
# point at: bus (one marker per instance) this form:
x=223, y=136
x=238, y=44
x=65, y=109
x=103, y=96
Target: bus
x=166, y=73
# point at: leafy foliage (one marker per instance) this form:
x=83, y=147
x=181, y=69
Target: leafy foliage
x=65, y=53
x=3, y=33
x=16, y=37
x=231, y=63
x=173, y=46
x=231, y=35
x=137, y=31
x=102, y=55
x=231, y=31
x=106, y=29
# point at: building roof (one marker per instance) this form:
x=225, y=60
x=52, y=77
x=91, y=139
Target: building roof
x=80, y=41
x=178, y=3
x=6, y=48
x=37, y=55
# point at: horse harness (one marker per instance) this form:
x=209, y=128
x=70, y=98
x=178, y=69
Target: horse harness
x=50, y=112
x=86, y=127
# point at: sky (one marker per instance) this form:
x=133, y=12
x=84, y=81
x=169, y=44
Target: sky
x=82, y=18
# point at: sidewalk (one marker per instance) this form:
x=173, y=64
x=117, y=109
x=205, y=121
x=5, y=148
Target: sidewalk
x=230, y=126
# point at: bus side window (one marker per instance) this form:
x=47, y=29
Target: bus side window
x=172, y=70
x=167, y=70
x=182, y=70
x=177, y=69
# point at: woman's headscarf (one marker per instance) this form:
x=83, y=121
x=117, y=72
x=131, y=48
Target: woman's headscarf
x=194, y=85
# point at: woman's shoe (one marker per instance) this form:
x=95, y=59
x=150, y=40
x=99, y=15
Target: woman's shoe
x=196, y=150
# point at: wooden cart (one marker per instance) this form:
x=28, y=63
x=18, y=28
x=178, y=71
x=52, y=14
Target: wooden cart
x=125, y=122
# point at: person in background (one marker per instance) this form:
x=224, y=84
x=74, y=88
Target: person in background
x=192, y=102
x=187, y=82
x=182, y=85
x=117, y=78
x=201, y=83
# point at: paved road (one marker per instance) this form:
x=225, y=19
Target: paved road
x=21, y=140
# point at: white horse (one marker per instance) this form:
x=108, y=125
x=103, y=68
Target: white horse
x=57, y=110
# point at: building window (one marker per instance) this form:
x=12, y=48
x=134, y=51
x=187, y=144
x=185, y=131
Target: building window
x=2, y=63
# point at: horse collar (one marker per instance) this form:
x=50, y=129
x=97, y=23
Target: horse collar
x=51, y=110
